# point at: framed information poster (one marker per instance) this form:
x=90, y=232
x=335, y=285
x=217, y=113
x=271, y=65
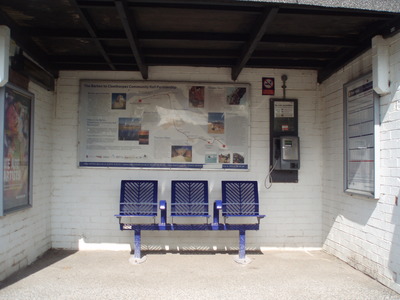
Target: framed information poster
x=361, y=124
x=16, y=107
x=164, y=125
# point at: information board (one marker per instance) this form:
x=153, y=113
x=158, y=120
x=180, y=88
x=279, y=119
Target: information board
x=164, y=125
x=362, y=140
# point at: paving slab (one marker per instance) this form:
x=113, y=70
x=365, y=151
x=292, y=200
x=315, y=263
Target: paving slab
x=272, y=274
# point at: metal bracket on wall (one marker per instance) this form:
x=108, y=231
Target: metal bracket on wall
x=284, y=78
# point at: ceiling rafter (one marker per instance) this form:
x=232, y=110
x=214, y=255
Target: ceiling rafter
x=123, y=56
x=119, y=35
x=130, y=31
x=135, y=34
x=393, y=27
x=364, y=43
x=252, y=7
x=265, y=20
x=171, y=52
x=26, y=43
x=326, y=12
x=310, y=40
x=91, y=28
x=242, y=6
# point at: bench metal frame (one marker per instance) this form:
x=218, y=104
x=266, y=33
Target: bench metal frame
x=239, y=199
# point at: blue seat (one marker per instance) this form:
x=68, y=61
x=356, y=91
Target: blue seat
x=189, y=198
x=240, y=199
x=138, y=198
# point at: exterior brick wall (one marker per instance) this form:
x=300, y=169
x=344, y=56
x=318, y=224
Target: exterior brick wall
x=363, y=232
x=26, y=234
x=74, y=207
x=85, y=200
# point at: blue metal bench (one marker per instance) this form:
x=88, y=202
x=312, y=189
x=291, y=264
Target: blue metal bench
x=138, y=198
x=189, y=198
x=240, y=199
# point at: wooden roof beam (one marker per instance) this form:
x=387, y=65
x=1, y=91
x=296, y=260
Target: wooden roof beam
x=265, y=20
x=26, y=43
x=91, y=28
x=130, y=31
x=364, y=43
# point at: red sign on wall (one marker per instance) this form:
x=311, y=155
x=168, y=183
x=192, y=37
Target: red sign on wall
x=268, y=86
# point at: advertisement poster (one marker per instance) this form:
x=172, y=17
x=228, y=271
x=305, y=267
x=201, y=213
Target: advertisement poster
x=16, y=148
x=164, y=125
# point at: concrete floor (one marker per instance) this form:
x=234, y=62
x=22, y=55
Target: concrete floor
x=271, y=275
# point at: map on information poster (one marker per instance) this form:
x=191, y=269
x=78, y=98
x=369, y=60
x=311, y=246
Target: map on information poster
x=127, y=124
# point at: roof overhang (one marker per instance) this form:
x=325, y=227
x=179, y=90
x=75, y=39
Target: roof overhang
x=132, y=35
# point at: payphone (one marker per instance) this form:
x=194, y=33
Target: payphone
x=286, y=153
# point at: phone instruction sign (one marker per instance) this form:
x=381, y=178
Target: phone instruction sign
x=283, y=109
x=164, y=125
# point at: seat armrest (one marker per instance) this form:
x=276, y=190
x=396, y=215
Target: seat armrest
x=163, y=205
x=163, y=217
x=217, y=208
x=218, y=204
x=259, y=217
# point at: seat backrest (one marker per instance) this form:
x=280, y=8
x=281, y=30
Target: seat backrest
x=138, y=198
x=240, y=198
x=189, y=198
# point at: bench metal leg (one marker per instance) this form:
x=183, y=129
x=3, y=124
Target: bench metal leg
x=242, y=244
x=137, y=258
x=242, y=259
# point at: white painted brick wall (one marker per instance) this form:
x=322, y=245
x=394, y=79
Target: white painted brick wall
x=72, y=203
x=26, y=234
x=85, y=200
x=363, y=232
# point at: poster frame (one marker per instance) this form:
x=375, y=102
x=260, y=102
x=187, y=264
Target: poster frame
x=375, y=193
x=28, y=98
x=124, y=87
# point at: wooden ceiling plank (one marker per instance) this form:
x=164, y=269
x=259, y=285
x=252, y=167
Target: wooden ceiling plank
x=364, y=43
x=310, y=40
x=27, y=45
x=246, y=7
x=341, y=60
x=339, y=12
x=119, y=35
x=90, y=27
x=130, y=31
x=267, y=17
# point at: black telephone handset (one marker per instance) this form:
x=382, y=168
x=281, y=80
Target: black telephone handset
x=286, y=153
x=277, y=153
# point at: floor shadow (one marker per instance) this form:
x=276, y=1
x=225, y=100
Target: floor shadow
x=48, y=258
x=199, y=252
x=394, y=257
